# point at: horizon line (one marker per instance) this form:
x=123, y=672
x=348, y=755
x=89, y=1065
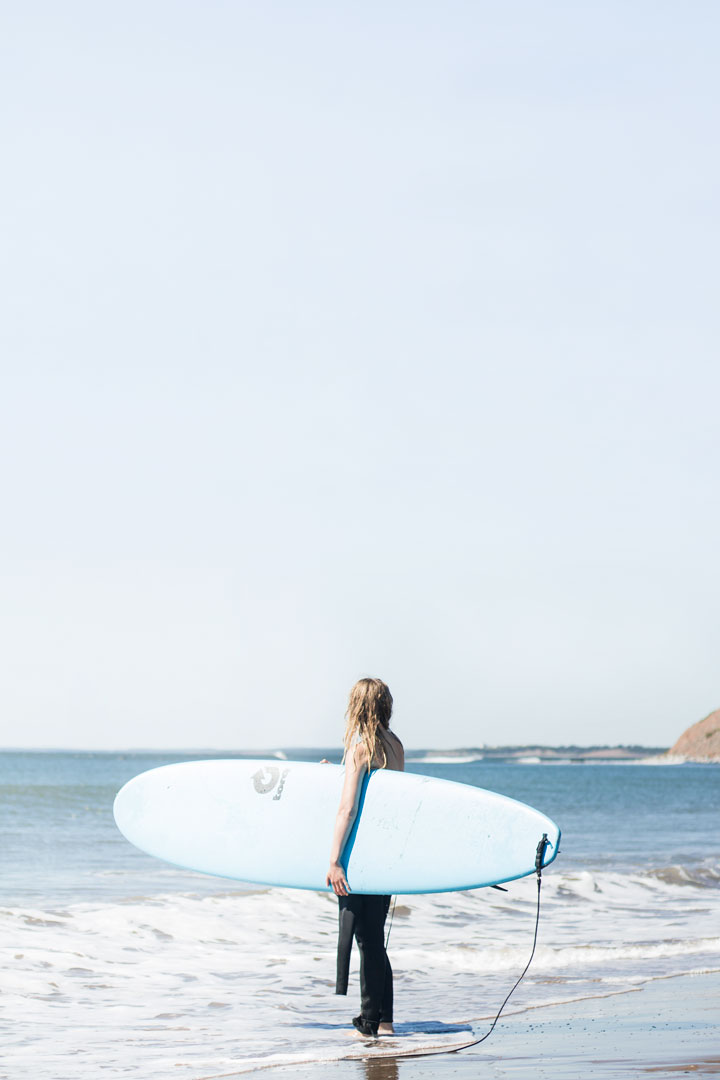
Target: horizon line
x=319, y=746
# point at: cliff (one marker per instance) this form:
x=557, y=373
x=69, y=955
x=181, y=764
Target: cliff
x=701, y=742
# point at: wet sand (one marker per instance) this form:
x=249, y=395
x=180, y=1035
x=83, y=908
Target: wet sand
x=668, y=1027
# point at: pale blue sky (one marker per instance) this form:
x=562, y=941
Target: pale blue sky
x=358, y=339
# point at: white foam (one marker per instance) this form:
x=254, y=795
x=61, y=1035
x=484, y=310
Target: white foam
x=175, y=985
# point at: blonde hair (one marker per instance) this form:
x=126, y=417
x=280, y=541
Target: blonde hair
x=369, y=708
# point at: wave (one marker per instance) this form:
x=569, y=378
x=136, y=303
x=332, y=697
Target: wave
x=700, y=877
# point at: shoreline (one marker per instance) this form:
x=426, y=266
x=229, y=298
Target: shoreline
x=662, y=1027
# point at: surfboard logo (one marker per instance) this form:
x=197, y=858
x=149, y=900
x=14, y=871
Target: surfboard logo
x=264, y=780
x=282, y=784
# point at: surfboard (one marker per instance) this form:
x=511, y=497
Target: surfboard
x=271, y=822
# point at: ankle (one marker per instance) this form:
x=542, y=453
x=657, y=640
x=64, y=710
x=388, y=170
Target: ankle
x=365, y=1027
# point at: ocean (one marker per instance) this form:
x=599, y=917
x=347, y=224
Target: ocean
x=113, y=963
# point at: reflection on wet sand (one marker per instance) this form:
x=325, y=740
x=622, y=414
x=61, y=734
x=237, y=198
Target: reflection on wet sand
x=380, y=1068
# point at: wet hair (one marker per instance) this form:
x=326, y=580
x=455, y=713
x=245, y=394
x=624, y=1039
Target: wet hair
x=369, y=708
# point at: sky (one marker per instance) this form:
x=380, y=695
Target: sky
x=345, y=340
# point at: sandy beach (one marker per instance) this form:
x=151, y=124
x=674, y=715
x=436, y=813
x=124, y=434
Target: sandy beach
x=668, y=1027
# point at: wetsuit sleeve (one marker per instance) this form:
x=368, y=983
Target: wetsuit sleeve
x=346, y=928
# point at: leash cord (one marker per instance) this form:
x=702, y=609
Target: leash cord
x=387, y=938
x=487, y=1034
x=476, y=1042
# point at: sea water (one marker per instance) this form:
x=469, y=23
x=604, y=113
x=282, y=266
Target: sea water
x=113, y=963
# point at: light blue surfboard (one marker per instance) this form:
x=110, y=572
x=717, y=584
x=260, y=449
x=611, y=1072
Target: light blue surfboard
x=271, y=822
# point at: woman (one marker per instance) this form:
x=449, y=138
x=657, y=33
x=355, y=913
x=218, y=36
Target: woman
x=369, y=744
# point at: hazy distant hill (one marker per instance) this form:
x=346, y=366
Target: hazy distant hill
x=701, y=741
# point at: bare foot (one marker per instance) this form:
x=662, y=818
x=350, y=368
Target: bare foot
x=386, y=1029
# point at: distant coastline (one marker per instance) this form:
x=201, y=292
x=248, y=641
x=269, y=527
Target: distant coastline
x=534, y=754
x=530, y=754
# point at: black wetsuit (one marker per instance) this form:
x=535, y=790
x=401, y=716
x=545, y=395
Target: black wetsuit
x=364, y=917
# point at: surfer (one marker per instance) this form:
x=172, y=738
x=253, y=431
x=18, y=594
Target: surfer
x=369, y=744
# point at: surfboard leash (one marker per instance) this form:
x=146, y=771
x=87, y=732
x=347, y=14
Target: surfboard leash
x=539, y=856
x=392, y=912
